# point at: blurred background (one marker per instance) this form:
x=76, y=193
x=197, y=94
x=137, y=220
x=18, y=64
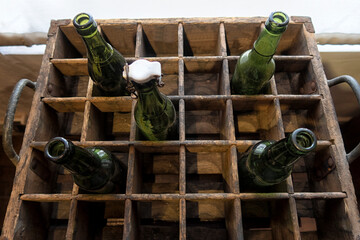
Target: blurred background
x=24, y=25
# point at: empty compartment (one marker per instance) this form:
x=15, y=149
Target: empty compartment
x=301, y=113
x=121, y=36
x=205, y=119
x=295, y=77
x=109, y=120
x=267, y=219
x=212, y=219
x=60, y=119
x=159, y=40
x=67, y=79
x=204, y=76
x=99, y=220
x=201, y=39
x=157, y=219
x=156, y=170
x=43, y=220
x=208, y=172
x=323, y=219
x=256, y=118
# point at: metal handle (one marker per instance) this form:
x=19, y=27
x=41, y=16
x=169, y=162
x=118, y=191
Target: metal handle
x=355, y=153
x=9, y=119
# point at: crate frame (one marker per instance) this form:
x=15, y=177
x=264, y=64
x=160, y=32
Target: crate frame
x=193, y=52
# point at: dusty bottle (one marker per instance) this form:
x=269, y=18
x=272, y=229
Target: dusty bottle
x=93, y=169
x=105, y=64
x=256, y=66
x=271, y=162
x=154, y=112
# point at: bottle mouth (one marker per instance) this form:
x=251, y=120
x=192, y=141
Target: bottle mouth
x=83, y=20
x=277, y=22
x=57, y=149
x=85, y=24
x=304, y=140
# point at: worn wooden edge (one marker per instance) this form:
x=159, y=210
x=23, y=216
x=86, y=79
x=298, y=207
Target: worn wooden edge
x=188, y=196
x=66, y=104
x=334, y=131
x=198, y=20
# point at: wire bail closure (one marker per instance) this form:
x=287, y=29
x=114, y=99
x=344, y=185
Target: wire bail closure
x=130, y=87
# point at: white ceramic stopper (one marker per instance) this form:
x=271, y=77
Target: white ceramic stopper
x=142, y=71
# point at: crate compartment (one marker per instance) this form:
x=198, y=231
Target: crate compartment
x=212, y=219
x=121, y=36
x=157, y=219
x=296, y=113
x=158, y=40
x=203, y=76
x=44, y=220
x=322, y=219
x=206, y=119
x=241, y=37
x=64, y=82
x=65, y=124
x=99, y=220
x=299, y=81
x=201, y=39
x=251, y=118
x=207, y=172
x=267, y=219
x=108, y=126
x=156, y=171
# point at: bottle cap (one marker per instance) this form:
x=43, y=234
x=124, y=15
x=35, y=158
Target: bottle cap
x=141, y=71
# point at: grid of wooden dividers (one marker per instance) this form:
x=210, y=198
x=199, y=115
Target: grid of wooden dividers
x=186, y=188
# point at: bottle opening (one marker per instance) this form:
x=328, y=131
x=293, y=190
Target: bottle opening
x=304, y=139
x=277, y=22
x=280, y=17
x=56, y=149
x=83, y=21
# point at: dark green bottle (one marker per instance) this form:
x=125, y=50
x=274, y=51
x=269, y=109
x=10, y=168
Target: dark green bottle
x=256, y=66
x=93, y=169
x=105, y=64
x=154, y=112
x=270, y=162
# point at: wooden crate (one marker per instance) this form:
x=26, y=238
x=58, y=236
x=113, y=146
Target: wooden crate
x=186, y=188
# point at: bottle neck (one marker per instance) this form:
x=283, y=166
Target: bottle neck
x=269, y=38
x=77, y=160
x=150, y=99
x=287, y=151
x=98, y=49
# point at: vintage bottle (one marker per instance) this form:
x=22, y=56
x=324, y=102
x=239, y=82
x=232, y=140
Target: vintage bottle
x=154, y=112
x=105, y=64
x=256, y=66
x=93, y=169
x=271, y=162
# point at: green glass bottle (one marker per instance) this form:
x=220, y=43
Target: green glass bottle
x=154, y=112
x=270, y=162
x=93, y=169
x=105, y=64
x=256, y=66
